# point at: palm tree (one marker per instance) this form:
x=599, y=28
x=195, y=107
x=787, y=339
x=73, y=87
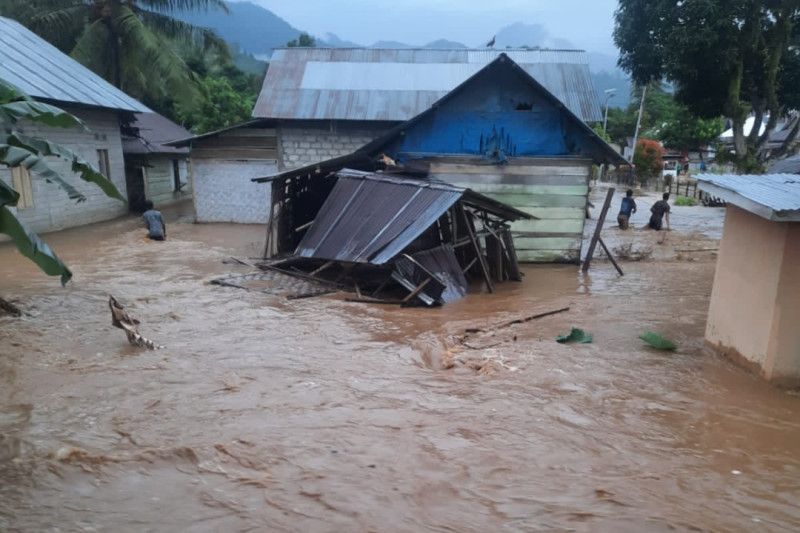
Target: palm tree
x=131, y=43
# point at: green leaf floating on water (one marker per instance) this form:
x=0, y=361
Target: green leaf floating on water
x=576, y=335
x=657, y=341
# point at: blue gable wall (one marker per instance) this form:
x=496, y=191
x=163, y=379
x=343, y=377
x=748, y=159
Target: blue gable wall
x=498, y=115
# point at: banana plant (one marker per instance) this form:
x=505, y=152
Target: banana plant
x=32, y=153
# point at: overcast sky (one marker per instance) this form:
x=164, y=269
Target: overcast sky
x=585, y=23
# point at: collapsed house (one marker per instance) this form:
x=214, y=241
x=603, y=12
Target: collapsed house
x=383, y=234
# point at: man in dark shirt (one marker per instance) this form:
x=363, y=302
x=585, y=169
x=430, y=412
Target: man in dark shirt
x=628, y=207
x=156, y=229
x=659, y=210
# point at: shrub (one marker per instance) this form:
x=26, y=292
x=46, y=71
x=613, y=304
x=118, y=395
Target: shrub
x=685, y=200
x=649, y=159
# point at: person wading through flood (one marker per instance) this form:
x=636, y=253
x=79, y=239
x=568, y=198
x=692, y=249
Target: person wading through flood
x=659, y=210
x=156, y=230
x=628, y=208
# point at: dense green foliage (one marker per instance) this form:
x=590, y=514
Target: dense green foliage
x=725, y=58
x=304, y=40
x=20, y=150
x=665, y=120
x=184, y=72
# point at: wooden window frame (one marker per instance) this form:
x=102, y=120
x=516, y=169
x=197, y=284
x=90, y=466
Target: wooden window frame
x=22, y=183
x=103, y=163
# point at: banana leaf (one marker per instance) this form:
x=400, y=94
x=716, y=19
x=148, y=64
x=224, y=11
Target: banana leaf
x=31, y=246
x=657, y=341
x=575, y=335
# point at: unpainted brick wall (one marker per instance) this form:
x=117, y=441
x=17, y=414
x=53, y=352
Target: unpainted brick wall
x=305, y=144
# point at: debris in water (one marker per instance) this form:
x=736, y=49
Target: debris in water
x=576, y=335
x=122, y=320
x=9, y=308
x=657, y=341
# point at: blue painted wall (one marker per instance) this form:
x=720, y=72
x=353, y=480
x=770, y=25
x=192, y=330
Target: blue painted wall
x=499, y=115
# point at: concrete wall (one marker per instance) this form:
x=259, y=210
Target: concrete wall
x=302, y=143
x=754, y=306
x=159, y=182
x=52, y=209
x=223, y=192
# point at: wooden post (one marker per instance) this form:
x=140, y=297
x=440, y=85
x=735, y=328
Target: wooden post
x=610, y=257
x=478, y=250
x=513, y=265
x=494, y=254
x=600, y=221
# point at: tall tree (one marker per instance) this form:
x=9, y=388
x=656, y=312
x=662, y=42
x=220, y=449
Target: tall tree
x=725, y=57
x=128, y=42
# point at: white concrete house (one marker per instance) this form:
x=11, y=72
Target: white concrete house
x=43, y=72
x=155, y=171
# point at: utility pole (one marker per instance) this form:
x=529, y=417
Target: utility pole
x=609, y=95
x=638, y=121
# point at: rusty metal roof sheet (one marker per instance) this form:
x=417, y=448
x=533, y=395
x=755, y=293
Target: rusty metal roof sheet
x=44, y=72
x=775, y=197
x=396, y=85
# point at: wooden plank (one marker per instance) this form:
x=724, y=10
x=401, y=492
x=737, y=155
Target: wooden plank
x=509, y=179
x=598, y=228
x=554, y=213
x=555, y=226
x=476, y=245
x=548, y=256
x=520, y=200
x=250, y=132
x=433, y=159
x=610, y=256
x=547, y=243
x=238, y=154
x=499, y=188
x=512, y=170
x=511, y=252
x=237, y=142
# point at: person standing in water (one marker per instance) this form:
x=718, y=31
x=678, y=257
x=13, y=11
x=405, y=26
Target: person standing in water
x=659, y=211
x=628, y=207
x=156, y=230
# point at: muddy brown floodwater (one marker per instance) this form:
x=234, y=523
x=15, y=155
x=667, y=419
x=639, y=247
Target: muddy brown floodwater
x=263, y=414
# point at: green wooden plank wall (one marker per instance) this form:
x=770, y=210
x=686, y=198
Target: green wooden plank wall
x=555, y=194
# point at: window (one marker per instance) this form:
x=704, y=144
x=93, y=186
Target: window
x=102, y=163
x=176, y=175
x=21, y=182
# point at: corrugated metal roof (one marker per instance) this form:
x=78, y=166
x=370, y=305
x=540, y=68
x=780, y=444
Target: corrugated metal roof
x=772, y=196
x=396, y=85
x=42, y=71
x=790, y=165
x=154, y=131
x=368, y=218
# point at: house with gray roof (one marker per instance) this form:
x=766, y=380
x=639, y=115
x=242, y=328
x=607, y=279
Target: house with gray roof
x=155, y=170
x=328, y=102
x=46, y=74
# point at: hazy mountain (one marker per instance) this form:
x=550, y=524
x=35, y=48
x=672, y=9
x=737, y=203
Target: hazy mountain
x=257, y=31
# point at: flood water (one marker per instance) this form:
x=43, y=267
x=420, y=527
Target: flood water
x=263, y=414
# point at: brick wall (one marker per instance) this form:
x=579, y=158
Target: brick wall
x=223, y=192
x=304, y=143
x=52, y=209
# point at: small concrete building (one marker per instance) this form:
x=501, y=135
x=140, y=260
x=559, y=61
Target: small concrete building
x=46, y=74
x=154, y=170
x=223, y=163
x=754, y=316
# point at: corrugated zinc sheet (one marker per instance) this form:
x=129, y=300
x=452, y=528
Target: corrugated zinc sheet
x=42, y=71
x=555, y=192
x=396, y=85
x=370, y=219
x=153, y=132
x=773, y=196
x=790, y=165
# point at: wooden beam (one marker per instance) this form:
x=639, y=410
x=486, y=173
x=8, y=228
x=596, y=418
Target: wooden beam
x=610, y=257
x=600, y=221
x=478, y=250
x=511, y=251
x=416, y=291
